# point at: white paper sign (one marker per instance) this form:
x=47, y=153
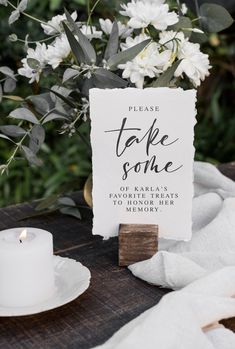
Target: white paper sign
x=142, y=144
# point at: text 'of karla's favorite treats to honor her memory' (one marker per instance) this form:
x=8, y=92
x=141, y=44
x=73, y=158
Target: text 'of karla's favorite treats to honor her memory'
x=142, y=145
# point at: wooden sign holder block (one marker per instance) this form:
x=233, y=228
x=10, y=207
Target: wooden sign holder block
x=137, y=242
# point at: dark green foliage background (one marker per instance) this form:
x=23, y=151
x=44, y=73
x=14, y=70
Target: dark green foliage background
x=66, y=160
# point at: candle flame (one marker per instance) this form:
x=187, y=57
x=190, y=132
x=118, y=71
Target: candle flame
x=23, y=235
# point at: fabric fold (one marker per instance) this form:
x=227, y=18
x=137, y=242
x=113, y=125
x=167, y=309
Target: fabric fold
x=179, y=319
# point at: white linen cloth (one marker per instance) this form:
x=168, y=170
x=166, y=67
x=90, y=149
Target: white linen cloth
x=177, y=321
x=204, y=270
x=213, y=242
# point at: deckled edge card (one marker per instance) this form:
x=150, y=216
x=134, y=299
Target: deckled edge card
x=142, y=155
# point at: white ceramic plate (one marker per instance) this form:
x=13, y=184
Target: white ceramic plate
x=72, y=279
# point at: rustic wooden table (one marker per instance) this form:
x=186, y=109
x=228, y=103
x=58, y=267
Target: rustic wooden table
x=114, y=297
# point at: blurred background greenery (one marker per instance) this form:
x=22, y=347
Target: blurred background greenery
x=66, y=160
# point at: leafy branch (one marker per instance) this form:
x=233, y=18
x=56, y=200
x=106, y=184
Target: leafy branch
x=20, y=10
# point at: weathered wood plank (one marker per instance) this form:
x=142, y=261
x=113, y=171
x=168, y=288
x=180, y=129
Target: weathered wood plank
x=137, y=242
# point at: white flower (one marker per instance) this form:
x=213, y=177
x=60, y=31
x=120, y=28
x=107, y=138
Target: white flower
x=54, y=26
x=58, y=51
x=91, y=32
x=195, y=64
x=184, y=9
x=172, y=40
x=134, y=41
x=144, y=13
x=107, y=25
x=149, y=63
x=40, y=55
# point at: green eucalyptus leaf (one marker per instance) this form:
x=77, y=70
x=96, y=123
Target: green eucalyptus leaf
x=71, y=211
x=89, y=52
x=66, y=201
x=12, y=130
x=106, y=79
x=69, y=73
x=7, y=71
x=15, y=15
x=127, y=55
x=5, y=137
x=75, y=46
x=40, y=103
x=215, y=18
x=14, y=98
x=113, y=43
x=87, y=48
x=9, y=85
x=183, y=24
x=31, y=157
x=37, y=137
x=166, y=77
x=46, y=203
x=24, y=114
x=22, y=5
x=33, y=63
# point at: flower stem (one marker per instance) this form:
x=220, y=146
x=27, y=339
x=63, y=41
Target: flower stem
x=91, y=10
x=34, y=42
x=196, y=19
x=18, y=146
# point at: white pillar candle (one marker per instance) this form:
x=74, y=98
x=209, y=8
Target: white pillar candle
x=26, y=267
